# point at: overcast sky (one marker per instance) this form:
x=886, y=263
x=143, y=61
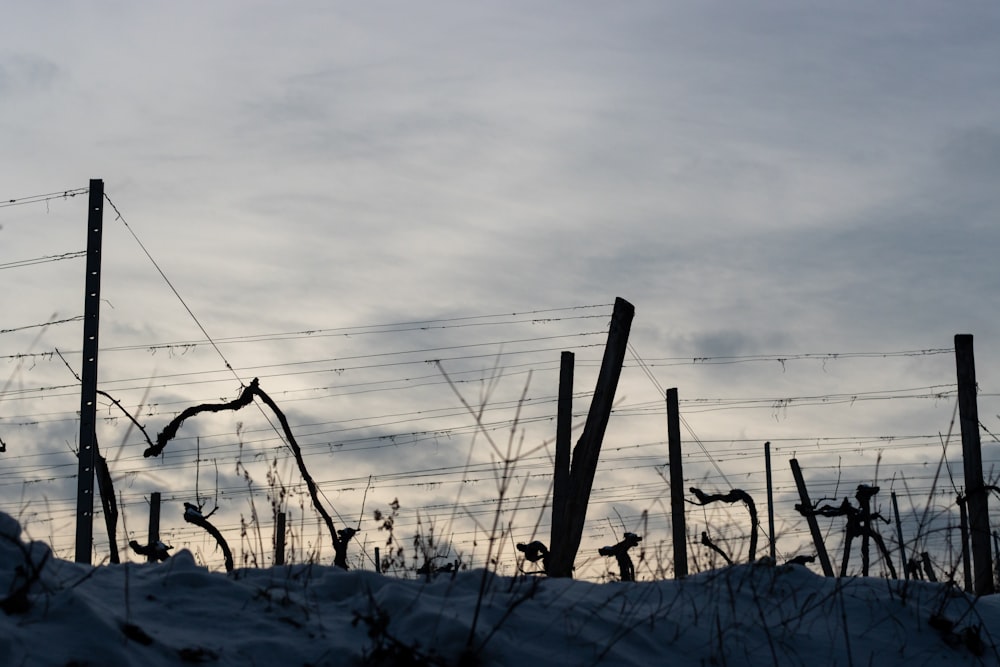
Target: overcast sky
x=771, y=178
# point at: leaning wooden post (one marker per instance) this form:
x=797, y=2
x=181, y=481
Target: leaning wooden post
x=770, y=500
x=824, y=559
x=564, y=433
x=899, y=536
x=279, y=540
x=676, y=485
x=976, y=496
x=925, y=560
x=108, y=502
x=378, y=560
x=583, y=465
x=154, y=523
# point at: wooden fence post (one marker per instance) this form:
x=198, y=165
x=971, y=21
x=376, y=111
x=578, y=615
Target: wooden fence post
x=154, y=523
x=899, y=536
x=378, y=560
x=279, y=540
x=925, y=559
x=679, y=527
x=564, y=434
x=976, y=496
x=107, y=489
x=770, y=501
x=824, y=559
x=583, y=465
x=866, y=520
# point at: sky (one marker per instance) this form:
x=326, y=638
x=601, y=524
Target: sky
x=177, y=613
x=794, y=182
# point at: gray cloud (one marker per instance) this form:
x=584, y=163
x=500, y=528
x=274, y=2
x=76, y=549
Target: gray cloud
x=776, y=179
x=22, y=73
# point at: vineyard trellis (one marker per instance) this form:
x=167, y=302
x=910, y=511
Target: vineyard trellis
x=417, y=446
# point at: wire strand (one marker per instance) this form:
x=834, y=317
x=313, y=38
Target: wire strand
x=649, y=374
x=172, y=288
x=43, y=324
x=43, y=260
x=34, y=199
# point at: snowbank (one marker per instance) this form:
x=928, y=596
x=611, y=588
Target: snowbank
x=176, y=613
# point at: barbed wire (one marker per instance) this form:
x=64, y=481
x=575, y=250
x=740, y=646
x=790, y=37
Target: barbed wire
x=49, y=196
x=42, y=324
x=173, y=289
x=45, y=259
x=784, y=358
x=356, y=433
x=604, y=497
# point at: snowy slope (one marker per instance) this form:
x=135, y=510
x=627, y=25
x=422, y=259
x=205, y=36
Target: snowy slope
x=177, y=613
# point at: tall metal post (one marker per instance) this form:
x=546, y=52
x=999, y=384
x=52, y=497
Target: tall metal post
x=88, y=392
x=676, y=485
x=976, y=495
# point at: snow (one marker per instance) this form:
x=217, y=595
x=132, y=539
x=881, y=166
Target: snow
x=179, y=613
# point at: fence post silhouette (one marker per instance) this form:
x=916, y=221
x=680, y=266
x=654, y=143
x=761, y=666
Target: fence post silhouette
x=87, y=457
x=824, y=559
x=583, y=465
x=770, y=501
x=925, y=560
x=279, y=540
x=976, y=496
x=899, y=535
x=560, y=480
x=678, y=526
x=154, y=523
x=108, y=502
x=864, y=500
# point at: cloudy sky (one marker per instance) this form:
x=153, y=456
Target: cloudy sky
x=783, y=180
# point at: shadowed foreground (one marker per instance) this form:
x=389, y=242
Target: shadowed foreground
x=177, y=613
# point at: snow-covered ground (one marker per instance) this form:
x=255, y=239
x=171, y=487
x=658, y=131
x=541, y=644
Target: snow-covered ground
x=177, y=612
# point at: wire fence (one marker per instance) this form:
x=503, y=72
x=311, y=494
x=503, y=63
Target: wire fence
x=420, y=413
